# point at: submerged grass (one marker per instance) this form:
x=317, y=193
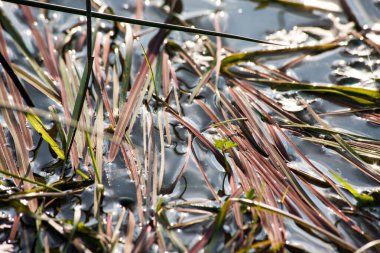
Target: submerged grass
x=256, y=180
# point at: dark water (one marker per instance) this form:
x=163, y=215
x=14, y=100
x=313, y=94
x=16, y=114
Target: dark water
x=354, y=65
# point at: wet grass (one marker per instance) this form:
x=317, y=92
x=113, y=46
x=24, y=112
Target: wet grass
x=109, y=163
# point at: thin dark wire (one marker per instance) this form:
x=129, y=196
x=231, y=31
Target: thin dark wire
x=117, y=18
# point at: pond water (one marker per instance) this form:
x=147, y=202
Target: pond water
x=303, y=145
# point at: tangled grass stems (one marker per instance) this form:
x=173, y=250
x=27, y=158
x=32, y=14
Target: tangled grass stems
x=255, y=155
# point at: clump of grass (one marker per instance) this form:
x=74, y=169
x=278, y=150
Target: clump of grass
x=261, y=191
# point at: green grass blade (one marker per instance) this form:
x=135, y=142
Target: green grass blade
x=363, y=199
x=40, y=128
x=29, y=181
x=127, y=65
x=354, y=94
x=218, y=230
x=93, y=158
x=150, y=69
x=159, y=75
x=79, y=105
x=302, y=5
x=240, y=57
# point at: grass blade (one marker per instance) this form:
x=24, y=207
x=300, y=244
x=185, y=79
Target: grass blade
x=29, y=181
x=17, y=98
x=29, y=78
x=127, y=109
x=304, y=223
x=236, y=58
x=12, y=31
x=16, y=81
x=40, y=128
x=81, y=96
x=354, y=94
x=78, y=105
x=6, y=158
x=127, y=65
x=204, y=79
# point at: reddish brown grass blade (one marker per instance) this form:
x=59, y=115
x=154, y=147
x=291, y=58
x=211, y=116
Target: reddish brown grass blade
x=127, y=109
x=40, y=42
x=20, y=147
x=6, y=158
x=16, y=97
x=165, y=74
x=138, y=15
x=130, y=231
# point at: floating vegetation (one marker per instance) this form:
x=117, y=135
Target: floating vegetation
x=187, y=126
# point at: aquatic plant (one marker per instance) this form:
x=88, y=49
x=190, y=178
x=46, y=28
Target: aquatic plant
x=114, y=139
